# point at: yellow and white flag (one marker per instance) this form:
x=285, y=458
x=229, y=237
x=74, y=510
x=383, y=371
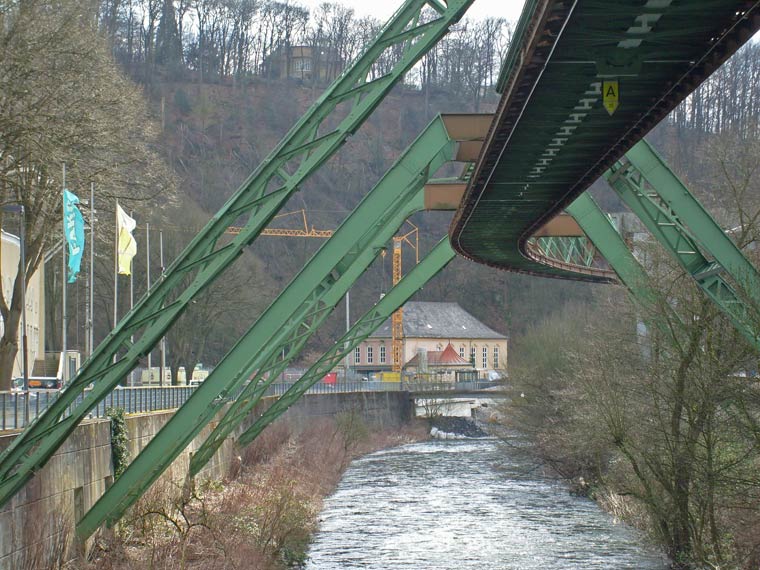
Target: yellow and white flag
x=127, y=246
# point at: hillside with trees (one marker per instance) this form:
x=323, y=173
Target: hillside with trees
x=167, y=106
x=207, y=70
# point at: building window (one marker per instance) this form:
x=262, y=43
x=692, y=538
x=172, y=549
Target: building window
x=382, y=354
x=461, y=352
x=495, y=357
x=302, y=65
x=472, y=355
x=485, y=357
x=357, y=355
x=370, y=355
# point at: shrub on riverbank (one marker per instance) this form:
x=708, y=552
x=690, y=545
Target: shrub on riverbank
x=659, y=428
x=261, y=518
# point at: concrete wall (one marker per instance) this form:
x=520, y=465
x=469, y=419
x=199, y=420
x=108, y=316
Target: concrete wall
x=78, y=474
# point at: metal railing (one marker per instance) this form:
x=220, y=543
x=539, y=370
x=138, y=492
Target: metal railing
x=17, y=409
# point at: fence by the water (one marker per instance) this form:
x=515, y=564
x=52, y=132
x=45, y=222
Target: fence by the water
x=17, y=409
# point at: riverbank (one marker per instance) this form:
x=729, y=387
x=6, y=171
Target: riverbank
x=623, y=509
x=261, y=516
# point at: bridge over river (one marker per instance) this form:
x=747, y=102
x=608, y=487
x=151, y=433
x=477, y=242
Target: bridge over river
x=582, y=84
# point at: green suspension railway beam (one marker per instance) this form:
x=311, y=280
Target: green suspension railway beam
x=679, y=222
x=289, y=321
x=430, y=266
x=346, y=103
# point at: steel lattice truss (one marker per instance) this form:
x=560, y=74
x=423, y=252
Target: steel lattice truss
x=281, y=332
x=346, y=103
x=641, y=178
x=685, y=229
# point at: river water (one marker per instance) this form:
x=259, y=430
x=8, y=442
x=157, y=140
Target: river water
x=466, y=504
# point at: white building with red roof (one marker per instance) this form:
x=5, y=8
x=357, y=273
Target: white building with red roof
x=439, y=339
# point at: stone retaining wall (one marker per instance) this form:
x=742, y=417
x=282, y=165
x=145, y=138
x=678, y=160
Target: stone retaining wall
x=80, y=471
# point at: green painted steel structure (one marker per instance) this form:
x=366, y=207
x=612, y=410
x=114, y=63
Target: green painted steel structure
x=602, y=233
x=286, y=325
x=685, y=229
x=337, y=114
x=568, y=250
x=425, y=270
x=550, y=140
x=552, y=137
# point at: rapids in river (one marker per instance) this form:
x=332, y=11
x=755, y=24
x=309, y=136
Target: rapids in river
x=467, y=504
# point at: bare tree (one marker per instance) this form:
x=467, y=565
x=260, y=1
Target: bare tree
x=62, y=101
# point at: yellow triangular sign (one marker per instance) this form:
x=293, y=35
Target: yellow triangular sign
x=611, y=96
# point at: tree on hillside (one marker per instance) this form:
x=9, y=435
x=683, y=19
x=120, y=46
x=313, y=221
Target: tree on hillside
x=219, y=315
x=62, y=101
x=674, y=415
x=168, y=40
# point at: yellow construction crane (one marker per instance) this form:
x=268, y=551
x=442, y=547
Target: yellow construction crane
x=411, y=238
x=307, y=232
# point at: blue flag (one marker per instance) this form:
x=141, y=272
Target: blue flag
x=74, y=225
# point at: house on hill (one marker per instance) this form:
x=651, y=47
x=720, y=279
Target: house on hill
x=306, y=63
x=439, y=340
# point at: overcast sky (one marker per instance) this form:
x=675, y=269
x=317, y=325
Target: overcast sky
x=382, y=9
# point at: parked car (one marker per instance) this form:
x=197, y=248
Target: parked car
x=17, y=387
x=43, y=383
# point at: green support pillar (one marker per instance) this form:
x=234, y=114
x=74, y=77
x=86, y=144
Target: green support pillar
x=335, y=116
x=679, y=222
x=270, y=361
x=291, y=318
x=610, y=244
x=430, y=266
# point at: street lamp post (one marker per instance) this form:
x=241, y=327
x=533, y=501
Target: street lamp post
x=19, y=209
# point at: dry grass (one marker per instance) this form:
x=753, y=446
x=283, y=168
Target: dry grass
x=262, y=518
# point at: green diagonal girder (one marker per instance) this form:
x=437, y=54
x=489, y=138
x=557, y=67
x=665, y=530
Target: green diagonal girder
x=303, y=150
x=306, y=301
x=693, y=215
x=433, y=263
x=253, y=393
x=269, y=362
x=679, y=222
x=610, y=244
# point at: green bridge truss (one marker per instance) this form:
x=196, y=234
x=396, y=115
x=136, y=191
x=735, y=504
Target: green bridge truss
x=689, y=235
x=335, y=116
x=256, y=360
x=237, y=384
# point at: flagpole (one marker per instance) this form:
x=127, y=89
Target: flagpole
x=116, y=270
x=131, y=304
x=63, y=280
x=91, y=332
x=147, y=277
x=163, y=338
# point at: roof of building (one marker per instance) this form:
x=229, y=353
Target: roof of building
x=438, y=320
x=10, y=237
x=305, y=51
x=446, y=357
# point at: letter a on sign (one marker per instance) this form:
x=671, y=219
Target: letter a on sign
x=611, y=96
